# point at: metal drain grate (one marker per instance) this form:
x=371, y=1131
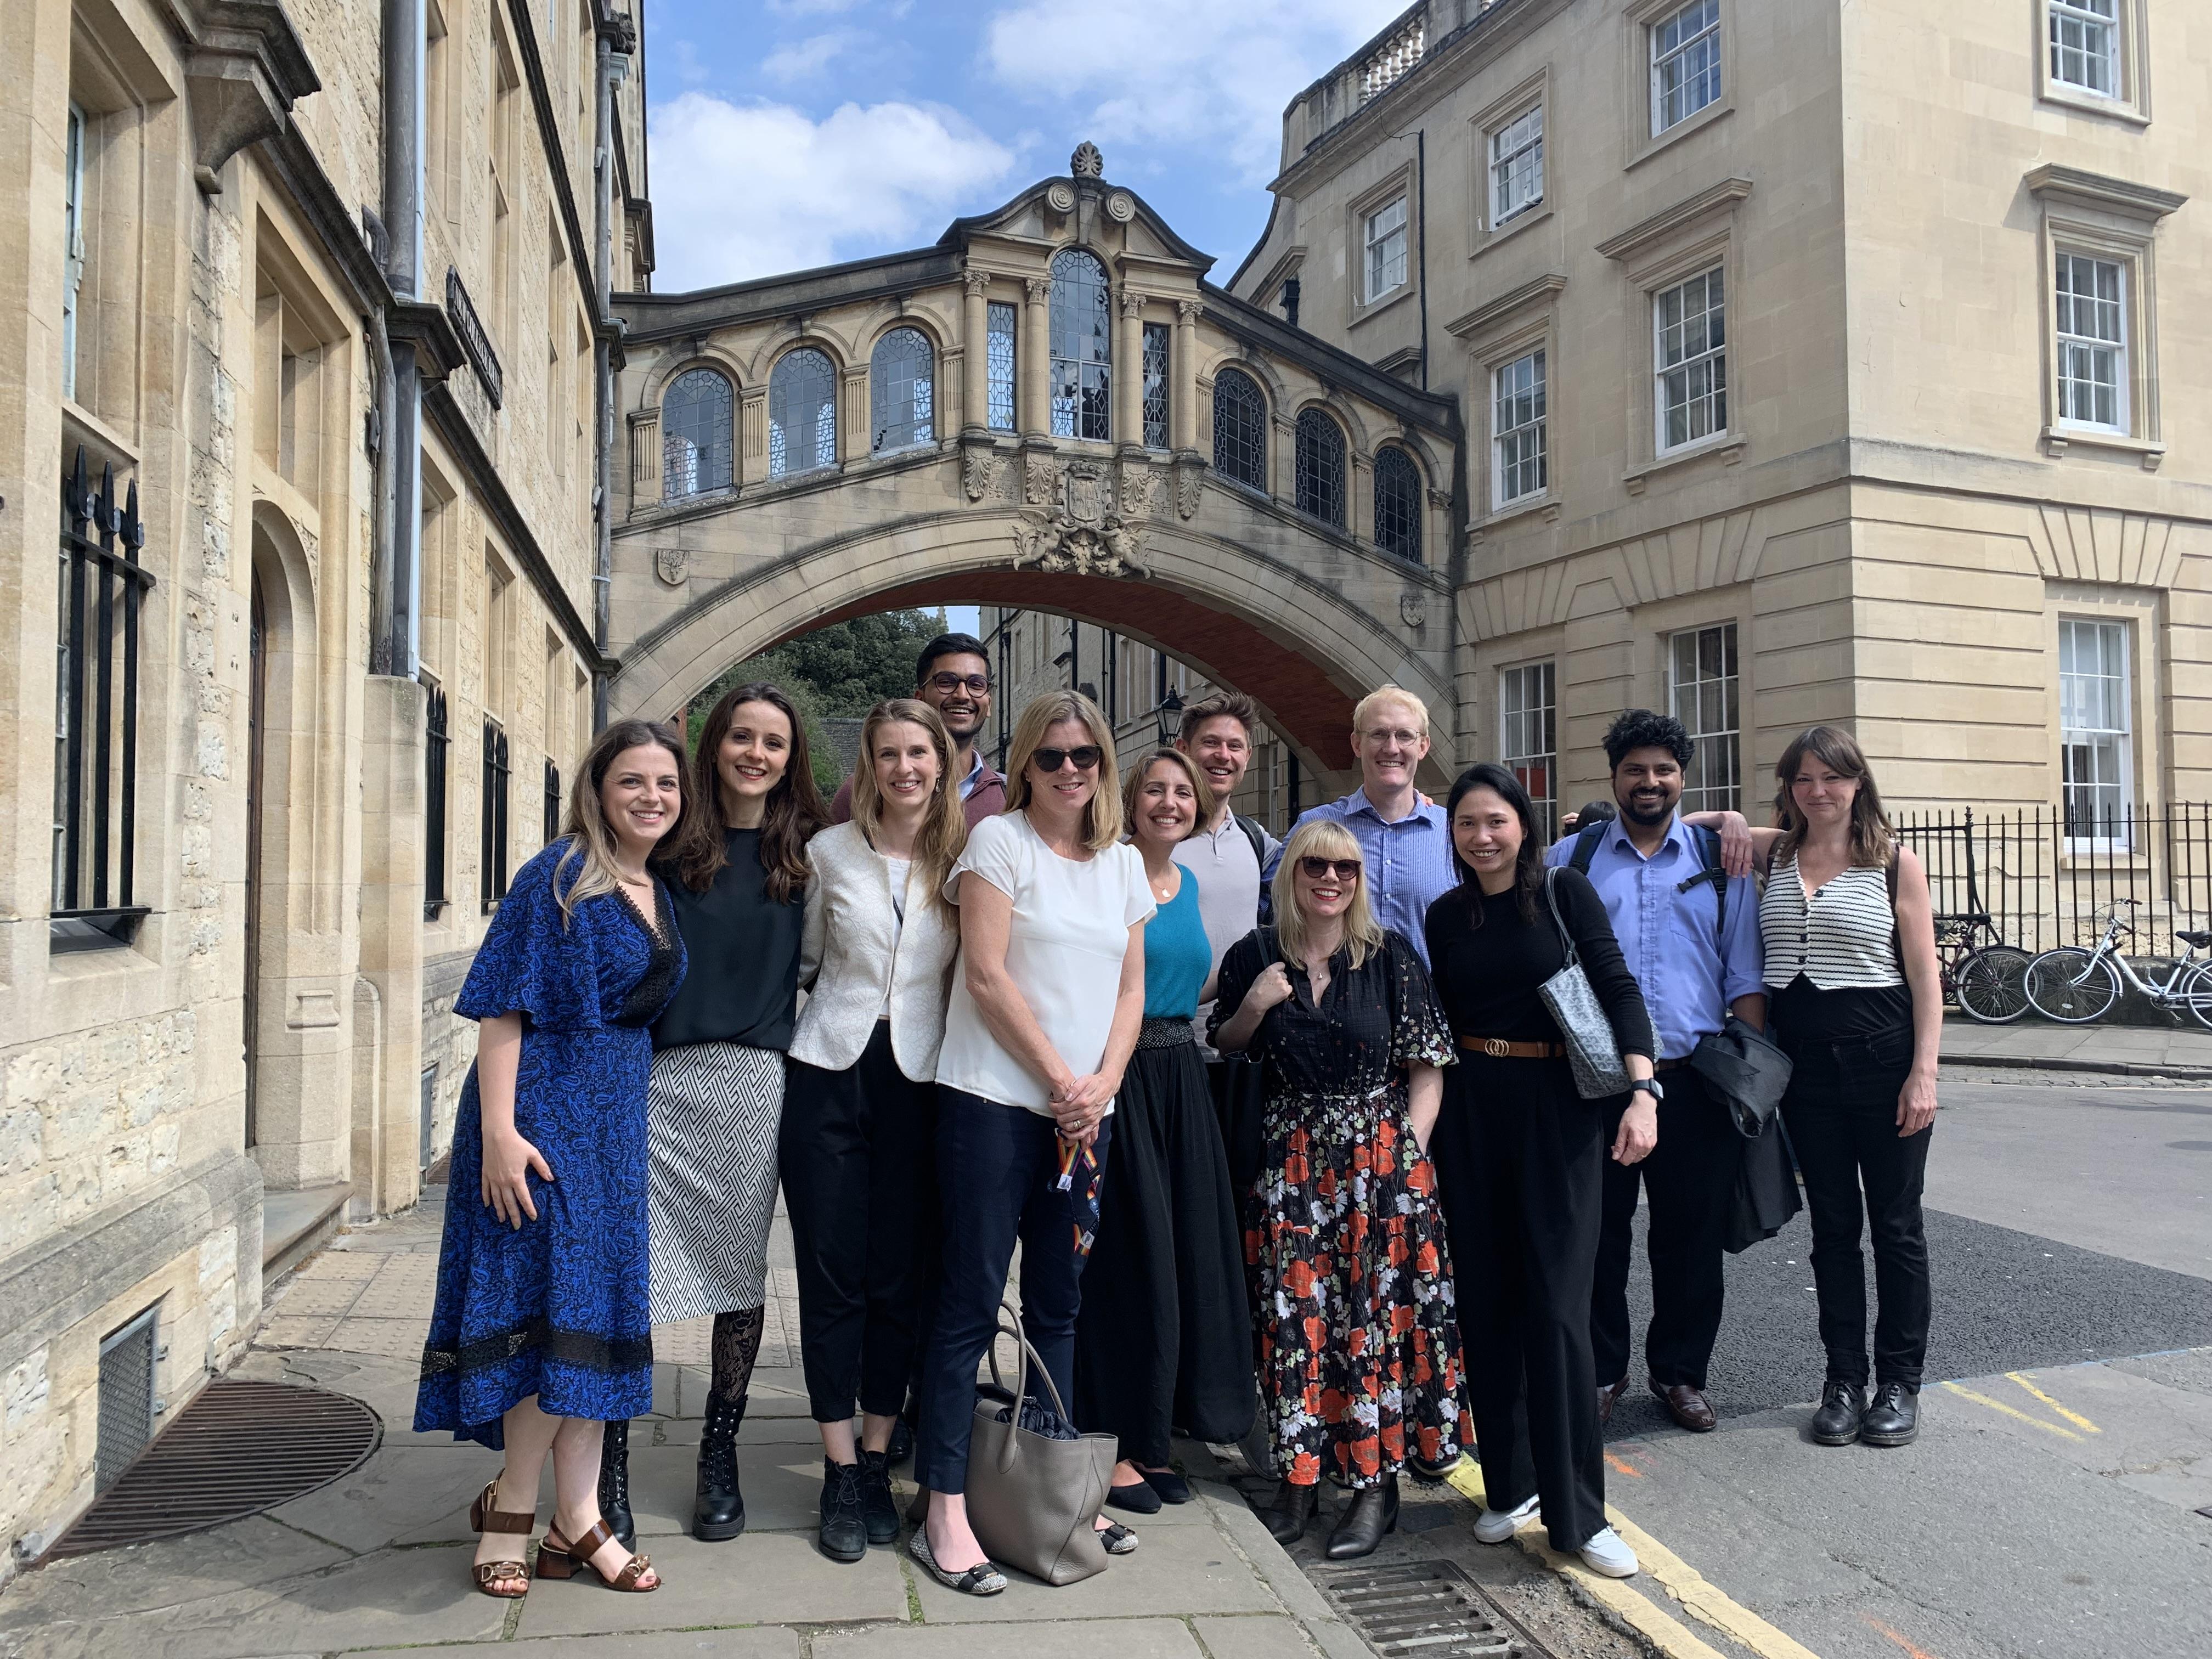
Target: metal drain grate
x=242, y=1447
x=1428, y=1608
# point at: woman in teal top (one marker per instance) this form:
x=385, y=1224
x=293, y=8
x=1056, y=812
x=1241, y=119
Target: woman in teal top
x=1163, y=1337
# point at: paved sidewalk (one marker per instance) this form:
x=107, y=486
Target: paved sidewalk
x=2032, y=1043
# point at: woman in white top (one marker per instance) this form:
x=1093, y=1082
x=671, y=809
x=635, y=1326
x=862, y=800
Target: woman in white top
x=1044, y=1016
x=860, y=1103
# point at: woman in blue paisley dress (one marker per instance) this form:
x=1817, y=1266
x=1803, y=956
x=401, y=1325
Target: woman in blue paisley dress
x=541, y=1331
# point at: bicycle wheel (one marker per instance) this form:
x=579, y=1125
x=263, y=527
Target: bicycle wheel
x=1991, y=984
x=2196, y=992
x=2071, y=985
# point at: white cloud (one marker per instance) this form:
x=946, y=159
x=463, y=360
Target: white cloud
x=743, y=190
x=1209, y=77
x=802, y=59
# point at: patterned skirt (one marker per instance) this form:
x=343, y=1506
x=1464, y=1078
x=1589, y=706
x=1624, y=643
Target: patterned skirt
x=713, y=1113
x=1358, y=1345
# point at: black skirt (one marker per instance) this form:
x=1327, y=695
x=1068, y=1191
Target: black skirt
x=1164, y=1340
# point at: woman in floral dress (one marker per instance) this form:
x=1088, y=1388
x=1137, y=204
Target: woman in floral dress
x=1352, y=1287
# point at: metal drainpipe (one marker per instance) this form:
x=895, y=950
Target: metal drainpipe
x=613, y=68
x=405, y=30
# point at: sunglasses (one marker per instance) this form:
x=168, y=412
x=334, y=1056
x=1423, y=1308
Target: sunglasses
x=1086, y=758
x=1323, y=869
x=978, y=683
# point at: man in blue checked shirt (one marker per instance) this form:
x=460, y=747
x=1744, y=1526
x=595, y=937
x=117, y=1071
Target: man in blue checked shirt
x=1405, y=844
x=1694, y=970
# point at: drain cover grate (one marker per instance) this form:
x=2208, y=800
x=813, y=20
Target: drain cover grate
x=1428, y=1608
x=242, y=1447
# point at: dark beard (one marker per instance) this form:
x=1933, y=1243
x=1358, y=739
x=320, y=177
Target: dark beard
x=1636, y=815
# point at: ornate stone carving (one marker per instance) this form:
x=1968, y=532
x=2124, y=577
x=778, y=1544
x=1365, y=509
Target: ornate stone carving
x=979, y=469
x=975, y=282
x=245, y=68
x=1133, y=490
x=1120, y=207
x=1188, y=310
x=1411, y=609
x=1039, y=288
x=1084, y=537
x=1040, y=478
x=1131, y=300
x=1060, y=195
x=1087, y=162
x=1190, y=485
x=671, y=564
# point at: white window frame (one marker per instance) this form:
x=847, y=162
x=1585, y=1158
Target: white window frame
x=2085, y=17
x=1377, y=261
x=2071, y=345
x=1730, y=734
x=1715, y=395
x=73, y=243
x=1517, y=750
x=1538, y=392
x=2117, y=739
x=1519, y=188
x=1661, y=60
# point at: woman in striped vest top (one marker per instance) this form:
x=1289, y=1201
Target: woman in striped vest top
x=1856, y=1000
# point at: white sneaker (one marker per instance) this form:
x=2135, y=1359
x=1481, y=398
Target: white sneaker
x=1606, y=1553
x=1497, y=1525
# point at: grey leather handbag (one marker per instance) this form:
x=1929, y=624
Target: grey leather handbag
x=1593, y=1052
x=1035, y=1485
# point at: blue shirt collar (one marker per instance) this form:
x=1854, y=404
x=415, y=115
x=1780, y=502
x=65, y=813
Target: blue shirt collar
x=1678, y=836
x=1357, y=802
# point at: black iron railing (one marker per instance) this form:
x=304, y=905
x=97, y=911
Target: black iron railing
x=491, y=865
x=102, y=585
x=552, y=803
x=436, y=764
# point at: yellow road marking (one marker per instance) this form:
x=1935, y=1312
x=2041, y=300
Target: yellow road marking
x=2000, y=1406
x=2074, y=1418
x=1881, y=1628
x=1698, y=1595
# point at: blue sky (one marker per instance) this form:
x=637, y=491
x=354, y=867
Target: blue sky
x=792, y=133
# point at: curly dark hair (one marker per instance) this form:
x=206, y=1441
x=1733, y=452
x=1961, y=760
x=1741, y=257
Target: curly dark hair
x=1642, y=728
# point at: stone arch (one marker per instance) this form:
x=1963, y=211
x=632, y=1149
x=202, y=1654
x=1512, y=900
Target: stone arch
x=1263, y=373
x=1356, y=438
x=838, y=349
x=653, y=386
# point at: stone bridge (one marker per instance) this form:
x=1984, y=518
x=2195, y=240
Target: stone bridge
x=1050, y=408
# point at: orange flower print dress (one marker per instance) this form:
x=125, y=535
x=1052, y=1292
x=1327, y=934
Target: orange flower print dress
x=1358, y=1340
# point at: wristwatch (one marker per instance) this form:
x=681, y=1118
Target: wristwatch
x=1649, y=1085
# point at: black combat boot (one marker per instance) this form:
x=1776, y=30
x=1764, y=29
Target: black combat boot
x=844, y=1531
x=1842, y=1406
x=719, y=1512
x=614, y=1482
x=1894, y=1419
x=876, y=1505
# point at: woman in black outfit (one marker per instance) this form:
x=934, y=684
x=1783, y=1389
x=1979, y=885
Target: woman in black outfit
x=1519, y=1158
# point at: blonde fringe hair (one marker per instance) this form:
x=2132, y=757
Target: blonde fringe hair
x=591, y=837
x=1102, y=819
x=1133, y=785
x=944, y=831
x=1322, y=840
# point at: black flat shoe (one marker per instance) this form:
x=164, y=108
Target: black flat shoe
x=614, y=1483
x=1894, y=1419
x=843, y=1533
x=902, y=1446
x=1138, y=1498
x=1287, y=1515
x=877, y=1512
x=1373, y=1512
x=718, y=1510
x=1837, y=1422
x=1171, y=1487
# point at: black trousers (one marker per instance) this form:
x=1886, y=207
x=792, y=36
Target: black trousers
x=1239, y=1089
x=999, y=1169
x=858, y=1155
x=1520, y=1161
x=1689, y=1179
x=1842, y=1113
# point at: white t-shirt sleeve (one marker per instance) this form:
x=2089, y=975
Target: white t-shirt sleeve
x=997, y=852
x=1137, y=902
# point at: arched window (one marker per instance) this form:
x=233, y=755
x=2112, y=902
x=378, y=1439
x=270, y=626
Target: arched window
x=1398, y=504
x=1320, y=467
x=902, y=390
x=1082, y=346
x=802, y=413
x=695, y=435
x=1240, y=428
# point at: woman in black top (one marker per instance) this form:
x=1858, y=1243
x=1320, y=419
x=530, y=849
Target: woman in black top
x=1519, y=1158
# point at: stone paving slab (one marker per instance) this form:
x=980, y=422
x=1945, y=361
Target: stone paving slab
x=1173, y=1572
x=2032, y=1042
x=1262, y=1636
x=1117, y=1638
x=762, y=1578
x=766, y=1642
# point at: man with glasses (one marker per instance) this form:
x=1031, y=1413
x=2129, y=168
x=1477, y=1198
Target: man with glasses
x=1402, y=835
x=953, y=677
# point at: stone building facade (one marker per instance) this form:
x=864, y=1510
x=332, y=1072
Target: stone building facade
x=320, y=314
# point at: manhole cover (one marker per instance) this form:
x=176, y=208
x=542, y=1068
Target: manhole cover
x=242, y=1447
x=1428, y=1608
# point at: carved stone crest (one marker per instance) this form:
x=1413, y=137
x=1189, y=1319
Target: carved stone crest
x=670, y=564
x=1411, y=609
x=1084, y=493
x=1084, y=536
x=1087, y=162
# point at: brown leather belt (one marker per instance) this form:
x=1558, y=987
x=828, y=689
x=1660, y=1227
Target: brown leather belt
x=1499, y=1048
x=1670, y=1065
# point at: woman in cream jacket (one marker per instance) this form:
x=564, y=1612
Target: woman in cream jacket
x=859, y=1109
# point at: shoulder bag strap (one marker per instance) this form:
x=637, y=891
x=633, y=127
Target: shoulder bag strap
x=1551, y=901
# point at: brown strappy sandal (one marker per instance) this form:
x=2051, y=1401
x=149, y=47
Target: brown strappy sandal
x=483, y=1518
x=558, y=1560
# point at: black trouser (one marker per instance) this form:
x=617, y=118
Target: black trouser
x=1520, y=1159
x=1240, y=1098
x=999, y=1169
x=858, y=1154
x=1690, y=1177
x=1842, y=1113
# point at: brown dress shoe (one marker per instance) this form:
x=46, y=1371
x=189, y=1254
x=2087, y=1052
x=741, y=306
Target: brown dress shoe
x=1687, y=1406
x=1608, y=1397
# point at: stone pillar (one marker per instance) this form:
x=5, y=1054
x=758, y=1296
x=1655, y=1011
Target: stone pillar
x=1128, y=402
x=1033, y=360
x=388, y=1061
x=856, y=436
x=1183, y=416
x=975, y=354
x=1360, y=497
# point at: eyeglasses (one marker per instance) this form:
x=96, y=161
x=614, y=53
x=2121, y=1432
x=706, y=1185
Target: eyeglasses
x=1086, y=758
x=1323, y=869
x=949, y=683
x=1401, y=737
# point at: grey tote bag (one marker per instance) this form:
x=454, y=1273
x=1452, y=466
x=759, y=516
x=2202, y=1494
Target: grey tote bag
x=1035, y=1491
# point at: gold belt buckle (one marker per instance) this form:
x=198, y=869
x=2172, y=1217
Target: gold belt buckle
x=1496, y=1047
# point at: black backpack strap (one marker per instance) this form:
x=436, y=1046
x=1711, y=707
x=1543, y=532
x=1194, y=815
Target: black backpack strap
x=1896, y=933
x=1586, y=841
x=1709, y=858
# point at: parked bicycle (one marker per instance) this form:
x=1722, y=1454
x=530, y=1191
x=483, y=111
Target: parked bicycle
x=1988, y=982
x=2075, y=986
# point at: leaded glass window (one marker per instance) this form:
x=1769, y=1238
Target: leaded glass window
x=1082, y=346
x=902, y=390
x=802, y=413
x=1318, y=460
x=998, y=328
x=695, y=435
x=1398, y=504
x=1240, y=428
x=1155, y=386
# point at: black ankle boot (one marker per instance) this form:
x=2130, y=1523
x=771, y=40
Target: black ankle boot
x=614, y=1482
x=844, y=1532
x=1372, y=1512
x=1894, y=1419
x=876, y=1508
x=1293, y=1507
x=720, y=1511
x=1842, y=1406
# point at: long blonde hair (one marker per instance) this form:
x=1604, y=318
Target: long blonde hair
x=944, y=829
x=1133, y=785
x=1322, y=839
x=591, y=837
x=1102, y=819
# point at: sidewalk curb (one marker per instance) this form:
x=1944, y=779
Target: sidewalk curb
x=2111, y=1067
